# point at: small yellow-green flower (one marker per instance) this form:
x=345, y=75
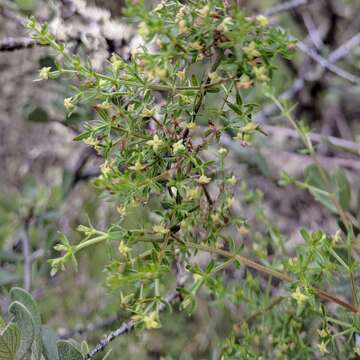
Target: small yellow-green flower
x=91, y=142
x=262, y=20
x=195, y=45
x=121, y=210
x=203, y=179
x=137, y=167
x=68, y=104
x=214, y=76
x=143, y=30
x=181, y=13
x=116, y=63
x=156, y=143
x=192, y=194
x=182, y=26
x=244, y=83
x=323, y=333
x=104, y=105
x=261, y=73
x=191, y=125
x=151, y=321
x=148, y=112
x=232, y=180
x=322, y=348
x=250, y=128
x=357, y=349
x=160, y=229
x=159, y=7
x=337, y=236
x=299, y=296
x=181, y=74
x=44, y=73
x=204, y=11
x=222, y=151
x=161, y=73
x=224, y=25
x=251, y=51
x=106, y=168
x=229, y=202
x=178, y=147
x=123, y=248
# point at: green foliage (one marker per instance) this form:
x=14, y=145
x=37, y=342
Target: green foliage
x=24, y=298
x=25, y=322
x=9, y=342
x=24, y=337
x=68, y=351
x=49, y=340
x=158, y=117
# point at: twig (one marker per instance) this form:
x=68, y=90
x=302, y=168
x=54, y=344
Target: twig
x=289, y=5
x=270, y=272
x=325, y=63
x=37, y=254
x=344, y=50
x=270, y=109
x=299, y=83
x=260, y=312
x=315, y=137
x=27, y=258
x=312, y=30
x=12, y=44
x=128, y=326
x=91, y=327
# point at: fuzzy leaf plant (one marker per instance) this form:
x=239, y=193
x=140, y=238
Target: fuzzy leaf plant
x=24, y=338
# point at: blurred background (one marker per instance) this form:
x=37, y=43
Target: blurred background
x=45, y=177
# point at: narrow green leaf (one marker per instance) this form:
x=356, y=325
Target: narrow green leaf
x=82, y=136
x=236, y=108
x=316, y=180
x=343, y=190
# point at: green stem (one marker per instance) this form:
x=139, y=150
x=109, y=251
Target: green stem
x=93, y=241
x=266, y=270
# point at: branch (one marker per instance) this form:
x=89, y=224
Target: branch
x=299, y=83
x=325, y=63
x=344, y=50
x=312, y=30
x=12, y=44
x=27, y=258
x=289, y=5
x=128, y=326
x=90, y=327
x=270, y=272
x=315, y=137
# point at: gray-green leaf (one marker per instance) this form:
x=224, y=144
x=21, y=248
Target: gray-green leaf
x=67, y=351
x=25, y=298
x=49, y=340
x=9, y=342
x=25, y=322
